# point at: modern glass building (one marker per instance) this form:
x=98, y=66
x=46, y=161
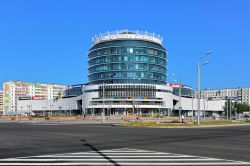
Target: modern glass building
x=127, y=73
x=127, y=57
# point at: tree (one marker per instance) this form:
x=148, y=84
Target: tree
x=59, y=96
x=240, y=107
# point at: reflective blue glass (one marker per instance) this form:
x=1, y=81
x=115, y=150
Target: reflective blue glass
x=127, y=61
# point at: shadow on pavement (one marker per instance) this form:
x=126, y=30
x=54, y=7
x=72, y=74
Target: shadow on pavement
x=99, y=152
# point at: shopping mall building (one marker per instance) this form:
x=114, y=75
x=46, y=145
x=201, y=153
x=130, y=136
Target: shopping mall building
x=128, y=73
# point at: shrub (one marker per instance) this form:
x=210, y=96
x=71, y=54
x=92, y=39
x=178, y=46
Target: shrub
x=175, y=121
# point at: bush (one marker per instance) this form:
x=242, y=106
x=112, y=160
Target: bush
x=175, y=121
x=38, y=116
x=46, y=118
x=246, y=116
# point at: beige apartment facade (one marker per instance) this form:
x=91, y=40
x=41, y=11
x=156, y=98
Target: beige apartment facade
x=19, y=90
x=241, y=95
x=1, y=102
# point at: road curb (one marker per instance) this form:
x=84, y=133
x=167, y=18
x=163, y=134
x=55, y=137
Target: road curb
x=204, y=126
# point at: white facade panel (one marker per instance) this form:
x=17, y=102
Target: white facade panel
x=191, y=104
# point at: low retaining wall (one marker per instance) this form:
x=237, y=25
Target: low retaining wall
x=73, y=118
x=8, y=118
x=64, y=118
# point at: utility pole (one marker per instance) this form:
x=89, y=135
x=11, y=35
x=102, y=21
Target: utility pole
x=180, y=108
x=235, y=112
x=51, y=109
x=133, y=103
x=227, y=108
x=16, y=115
x=230, y=109
x=204, y=102
x=198, y=94
x=159, y=115
x=199, y=86
x=192, y=106
x=103, y=102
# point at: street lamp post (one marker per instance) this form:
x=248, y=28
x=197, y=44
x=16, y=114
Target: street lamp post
x=159, y=118
x=180, y=108
x=230, y=109
x=192, y=106
x=161, y=111
x=103, y=103
x=199, y=86
x=235, y=112
x=28, y=107
x=133, y=101
x=133, y=104
x=51, y=105
x=227, y=108
x=60, y=110
x=43, y=110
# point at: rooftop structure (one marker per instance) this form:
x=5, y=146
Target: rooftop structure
x=127, y=34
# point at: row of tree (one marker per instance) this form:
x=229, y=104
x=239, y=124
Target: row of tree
x=235, y=107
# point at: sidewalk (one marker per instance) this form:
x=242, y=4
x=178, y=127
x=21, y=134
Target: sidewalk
x=113, y=121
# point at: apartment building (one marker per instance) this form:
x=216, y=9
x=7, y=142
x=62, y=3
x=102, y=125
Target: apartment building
x=1, y=102
x=242, y=95
x=19, y=90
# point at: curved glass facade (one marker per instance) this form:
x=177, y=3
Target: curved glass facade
x=127, y=61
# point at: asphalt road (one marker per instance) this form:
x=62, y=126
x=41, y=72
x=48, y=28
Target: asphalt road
x=23, y=139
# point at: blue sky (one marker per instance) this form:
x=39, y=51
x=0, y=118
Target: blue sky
x=48, y=40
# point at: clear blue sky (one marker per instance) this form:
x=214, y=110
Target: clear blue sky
x=48, y=40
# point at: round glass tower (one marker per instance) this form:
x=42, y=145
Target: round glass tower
x=127, y=57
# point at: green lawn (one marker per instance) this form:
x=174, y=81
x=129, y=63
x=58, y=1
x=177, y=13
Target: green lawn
x=155, y=124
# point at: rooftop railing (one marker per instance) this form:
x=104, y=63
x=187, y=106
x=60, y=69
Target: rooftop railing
x=127, y=34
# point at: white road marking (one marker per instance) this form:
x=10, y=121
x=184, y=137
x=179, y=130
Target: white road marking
x=209, y=159
x=107, y=163
x=124, y=156
x=119, y=153
x=127, y=156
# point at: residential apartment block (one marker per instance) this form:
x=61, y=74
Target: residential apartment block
x=18, y=90
x=1, y=102
x=241, y=95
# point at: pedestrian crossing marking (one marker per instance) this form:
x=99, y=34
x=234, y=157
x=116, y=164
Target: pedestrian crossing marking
x=124, y=156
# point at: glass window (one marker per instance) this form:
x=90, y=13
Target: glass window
x=130, y=50
x=125, y=58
